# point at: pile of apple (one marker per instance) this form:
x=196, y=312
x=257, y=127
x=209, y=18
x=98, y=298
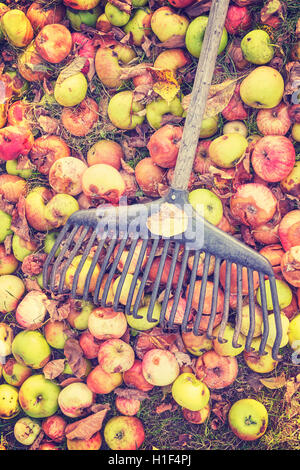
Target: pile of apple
x=247, y=184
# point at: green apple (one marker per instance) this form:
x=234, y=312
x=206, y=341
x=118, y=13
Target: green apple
x=5, y=223
x=142, y=324
x=59, y=209
x=11, y=169
x=78, y=318
x=12, y=289
x=235, y=127
x=56, y=333
x=137, y=25
x=294, y=333
x=245, y=320
x=157, y=108
x=124, y=433
x=248, y=419
x=29, y=347
x=71, y=90
x=256, y=47
x=9, y=401
x=284, y=292
x=189, y=392
x=165, y=23
x=262, y=88
x=139, y=3
x=272, y=329
x=22, y=248
x=123, y=112
x=227, y=149
x=209, y=127
x=38, y=396
x=49, y=241
x=87, y=17
x=262, y=364
x=26, y=430
x=227, y=348
x=195, y=35
x=296, y=132
x=116, y=16
x=14, y=373
x=208, y=204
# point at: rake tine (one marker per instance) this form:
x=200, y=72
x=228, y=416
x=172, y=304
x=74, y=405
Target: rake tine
x=124, y=272
x=178, y=291
x=202, y=294
x=238, y=322
x=52, y=254
x=159, y=275
x=192, y=282
x=112, y=271
x=214, y=299
x=226, y=302
x=135, y=279
x=103, y=269
x=265, y=313
x=81, y=263
x=143, y=282
x=276, y=311
x=91, y=269
x=251, y=310
x=71, y=257
x=61, y=255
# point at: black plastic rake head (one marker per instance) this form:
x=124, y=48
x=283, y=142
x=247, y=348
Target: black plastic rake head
x=102, y=236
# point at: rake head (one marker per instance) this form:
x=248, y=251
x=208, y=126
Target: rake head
x=96, y=247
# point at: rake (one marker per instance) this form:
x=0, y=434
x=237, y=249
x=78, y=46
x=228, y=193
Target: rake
x=167, y=225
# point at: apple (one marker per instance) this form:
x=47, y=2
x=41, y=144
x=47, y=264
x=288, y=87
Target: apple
x=257, y=48
x=215, y=370
x=38, y=396
x=262, y=88
x=166, y=23
x=209, y=127
x=253, y=204
x=196, y=344
x=116, y=16
x=166, y=270
x=85, y=17
x=272, y=329
x=149, y=176
x=274, y=121
x=48, y=446
x=75, y=399
x=238, y=19
x=189, y=392
x=22, y=248
x=164, y=144
x=208, y=204
x=158, y=107
x=115, y=355
x=245, y=320
x=103, y=181
x=30, y=64
x=139, y=25
x=54, y=43
x=134, y=378
x=15, y=373
x=46, y=150
x=228, y=149
x=89, y=344
x=65, y=175
x=284, y=294
x=290, y=266
x=83, y=274
x=93, y=443
x=273, y=158
x=80, y=120
x=9, y=401
x=109, y=62
x=6, y=339
x=101, y=382
x=195, y=35
x=59, y=209
x=72, y=90
x=15, y=141
x=197, y=417
x=142, y=324
x=8, y=262
x=39, y=16
x=124, y=433
x=17, y=28
x=30, y=348
x=54, y=427
x=235, y=127
x=296, y=132
x=127, y=406
x=12, y=289
x=274, y=254
x=5, y=225
x=49, y=241
x=248, y=419
x=56, y=333
x=289, y=229
x=226, y=348
x=160, y=367
x=106, y=323
x=79, y=315
x=26, y=430
x=126, y=288
x=105, y=151
x=291, y=183
x=12, y=187
x=81, y=4
x=207, y=298
x=11, y=168
x=294, y=332
x=172, y=59
x=261, y=364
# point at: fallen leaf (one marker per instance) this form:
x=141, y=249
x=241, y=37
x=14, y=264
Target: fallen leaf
x=165, y=407
x=85, y=428
x=74, y=356
x=131, y=393
x=274, y=382
x=71, y=69
x=165, y=84
x=54, y=368
x=123, y=5
x=292, y=386
x=19, y=223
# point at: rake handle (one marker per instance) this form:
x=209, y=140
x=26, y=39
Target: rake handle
x=199, y=95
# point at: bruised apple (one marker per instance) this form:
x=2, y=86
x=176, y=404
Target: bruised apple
x=54, y=427
x=74, y=399
x=160, y=367
x=31, y=311
x=54, y=43
x=105, y=151
x=290, y=266
x=46, y=150
x=134, y=378
x=31, y=66
x=248, y=419
x=124, y=112
x=81, y=4
x=101, y=382
x=289, y=229
x=127, y=406
x=124, y=433
x=172, y=59
x=115, y=355
x=15, y=141
x=69, y=279
x=93, y=443
x=215, y=370
x=40, y=17
x=17, y=28
x=12, y=187
x=103, y=181
x=70, y=90
x=238, y=19
x=89, y=344
x=106, y=323
x=164, y=145
x=166, y=23
x=227, y=150
x=65, y=175
x=109, y=61
x=190, y=392
x=80, y=120
x=233, y=278
x=8, y=262
x=149, y=176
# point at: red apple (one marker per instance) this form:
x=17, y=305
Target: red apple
x=127, y=406
x=102, y=382
x=238, y=19
x=105, y=151
x=54, y=427
x=274, y=121
x=115, y=355
x=15, y=141
x=54, y=43
x=149, y=176
x=93, y=443
x=124, y=433
x=274, y=254
x=273, y=158
x=164, y=145
x=253, y=204
x=290, y=265
x=46, y=150
x=80, y=120
x=134, y=377
x=289, y=229
x=89, y=344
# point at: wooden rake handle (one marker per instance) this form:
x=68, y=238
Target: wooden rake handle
x=199, y=95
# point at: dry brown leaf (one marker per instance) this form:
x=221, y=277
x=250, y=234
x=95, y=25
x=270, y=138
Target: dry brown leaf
x=183, y=359
x=75, y=358
x=48, y=124
x=54, y=368
x=37, y=441
x=19, y=223
x=274, y=383
x=292, y=386
x=123, y=5
x=71, y=69
x=272, y=8
x=85, y=428
x=165, y=84
x=131, y=393
x=165, y=407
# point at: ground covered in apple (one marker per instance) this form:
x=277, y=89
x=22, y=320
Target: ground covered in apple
x=94, y=96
